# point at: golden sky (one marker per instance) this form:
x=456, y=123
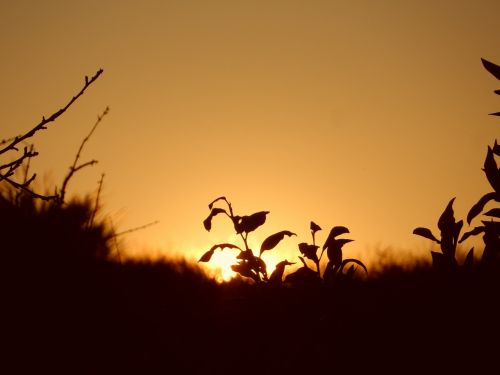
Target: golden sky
x=367, y=114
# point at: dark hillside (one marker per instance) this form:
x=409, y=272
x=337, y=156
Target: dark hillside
x=70, y=307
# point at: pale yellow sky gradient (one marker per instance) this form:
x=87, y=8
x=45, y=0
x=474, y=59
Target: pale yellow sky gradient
x=367, y=114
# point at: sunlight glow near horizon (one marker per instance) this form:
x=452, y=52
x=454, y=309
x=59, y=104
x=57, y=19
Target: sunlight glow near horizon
x=370, y=115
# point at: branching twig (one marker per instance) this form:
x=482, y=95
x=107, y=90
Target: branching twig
x=24, y=187
x=28, y=153
x=11, y=144
x=42, y=125
x=75, y=167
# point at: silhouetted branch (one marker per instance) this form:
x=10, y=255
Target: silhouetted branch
x=24, y=187
x=28, y=153
x=75, y=167
x=12, y=145
x=42, y=125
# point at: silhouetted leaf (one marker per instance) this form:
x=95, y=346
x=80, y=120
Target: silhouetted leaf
x=469, y=259
x=314, y=227
x=491, y=240
x=254, y=263
x=215, y=200
x=207, y=223
x=309, y=251
x=358, y=262
x=497, y=92
x=244, y=269
x=334, y=250
x=478, y=207
x=277, y=275
x=492, y=68
x=473, y=232
x=303, y=262
x=448, y=227
x=446, y=222
x=493, y=227
x=496, y=148
x=271, y=241
x=494, y=212
x=336, y=231
x=208, y=255
x=425, y=232
x=491, y=171
x=495, y=114
x=250, y=223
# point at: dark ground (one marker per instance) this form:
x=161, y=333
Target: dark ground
x=67, y=309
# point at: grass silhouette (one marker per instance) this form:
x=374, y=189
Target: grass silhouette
x=70, y=305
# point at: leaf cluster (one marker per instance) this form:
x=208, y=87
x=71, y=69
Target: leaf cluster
x=251, y=266
x=450, y=229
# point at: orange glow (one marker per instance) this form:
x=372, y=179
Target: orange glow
x=221, y=262
x=368, y=116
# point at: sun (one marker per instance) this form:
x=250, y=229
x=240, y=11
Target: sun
x=221, y=262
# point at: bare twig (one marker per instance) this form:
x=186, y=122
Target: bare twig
x=11, y=144
x=24, y=187
x=75, y=167
x=42, y=125
x=136, y=229
x=33, y=153
x=96, y=206
x=7, y=140
x=28, y=153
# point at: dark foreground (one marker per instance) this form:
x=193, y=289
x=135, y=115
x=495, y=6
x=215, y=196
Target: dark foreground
x=160, y=318
x=68, y=307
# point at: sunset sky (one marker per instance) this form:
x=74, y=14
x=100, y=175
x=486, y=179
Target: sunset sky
x=367, y=114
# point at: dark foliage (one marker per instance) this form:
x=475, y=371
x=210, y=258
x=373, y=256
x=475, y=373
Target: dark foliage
x=70, y=307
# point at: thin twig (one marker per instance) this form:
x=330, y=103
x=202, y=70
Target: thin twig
x=136, y=229
x=96, y=206
x=25, y=188
x=17, y=162
x=32, y=153
x=42, y=125
x=75, y=167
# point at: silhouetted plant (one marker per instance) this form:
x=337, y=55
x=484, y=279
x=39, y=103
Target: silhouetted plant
x=75, y=167
x=249, y=265
x=335, y=265
x=11, y=145
x=491, y=228
x=450, y=232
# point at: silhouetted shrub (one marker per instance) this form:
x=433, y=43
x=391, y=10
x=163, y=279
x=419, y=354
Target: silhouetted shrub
x=255, y=268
